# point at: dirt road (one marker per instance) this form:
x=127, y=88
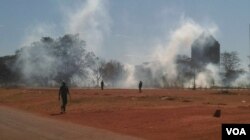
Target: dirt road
x=16, y=124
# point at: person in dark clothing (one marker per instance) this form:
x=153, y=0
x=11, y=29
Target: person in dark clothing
x=102, y=84
x=63, y=93
x=140, y=86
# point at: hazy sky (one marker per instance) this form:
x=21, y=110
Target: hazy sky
x=125, y=30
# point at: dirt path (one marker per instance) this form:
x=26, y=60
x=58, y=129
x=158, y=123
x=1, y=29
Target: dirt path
x=16, y=124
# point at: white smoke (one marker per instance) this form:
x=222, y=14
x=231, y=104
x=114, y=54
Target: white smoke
x=91, y=21
x=242, y=81
x=36, y=61
x=163, y=65
x=178, y=41
x=130, y=80
x=36, y=32
x=208, y=78
x=53, y=60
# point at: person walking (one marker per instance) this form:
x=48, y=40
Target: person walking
x=140, y=86
x=102, y=84
x=63, y=93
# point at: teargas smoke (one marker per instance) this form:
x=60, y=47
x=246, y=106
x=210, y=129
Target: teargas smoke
x=242, y=81
x=207, y=78
x=50, y=61
x=171, y=65
x=91, y=21
x=72, y=57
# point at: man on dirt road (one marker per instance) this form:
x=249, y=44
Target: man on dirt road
x=140, y=86
x=63, y=93
x=102, y=84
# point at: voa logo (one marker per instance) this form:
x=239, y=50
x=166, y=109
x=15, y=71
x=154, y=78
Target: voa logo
x=236, y=131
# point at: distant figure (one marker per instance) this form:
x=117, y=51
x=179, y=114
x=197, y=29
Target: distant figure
x=63, y=93
x=102, y=84
x=140, y=86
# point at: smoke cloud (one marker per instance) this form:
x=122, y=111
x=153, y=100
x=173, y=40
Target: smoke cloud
x=162, y=70
x=91, y=21
x=180, y=40
x=36, y=32
x=43, y=61
x=49, y=61
x=242, y=81
x=207, y=78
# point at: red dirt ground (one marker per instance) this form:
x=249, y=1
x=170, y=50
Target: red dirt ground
x=155, y=114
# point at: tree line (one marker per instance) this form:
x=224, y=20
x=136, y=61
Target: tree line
x=50, y=61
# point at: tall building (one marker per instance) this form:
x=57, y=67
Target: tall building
x=205, y=50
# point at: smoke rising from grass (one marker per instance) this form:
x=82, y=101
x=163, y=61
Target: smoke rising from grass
x=46, y=59
x=91, y=21
x=49, y=61
x=179, y=40
x=242, y=81
x=162, y=70
x=208, y=78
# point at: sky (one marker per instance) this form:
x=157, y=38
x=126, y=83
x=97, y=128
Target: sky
x=124, y=30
